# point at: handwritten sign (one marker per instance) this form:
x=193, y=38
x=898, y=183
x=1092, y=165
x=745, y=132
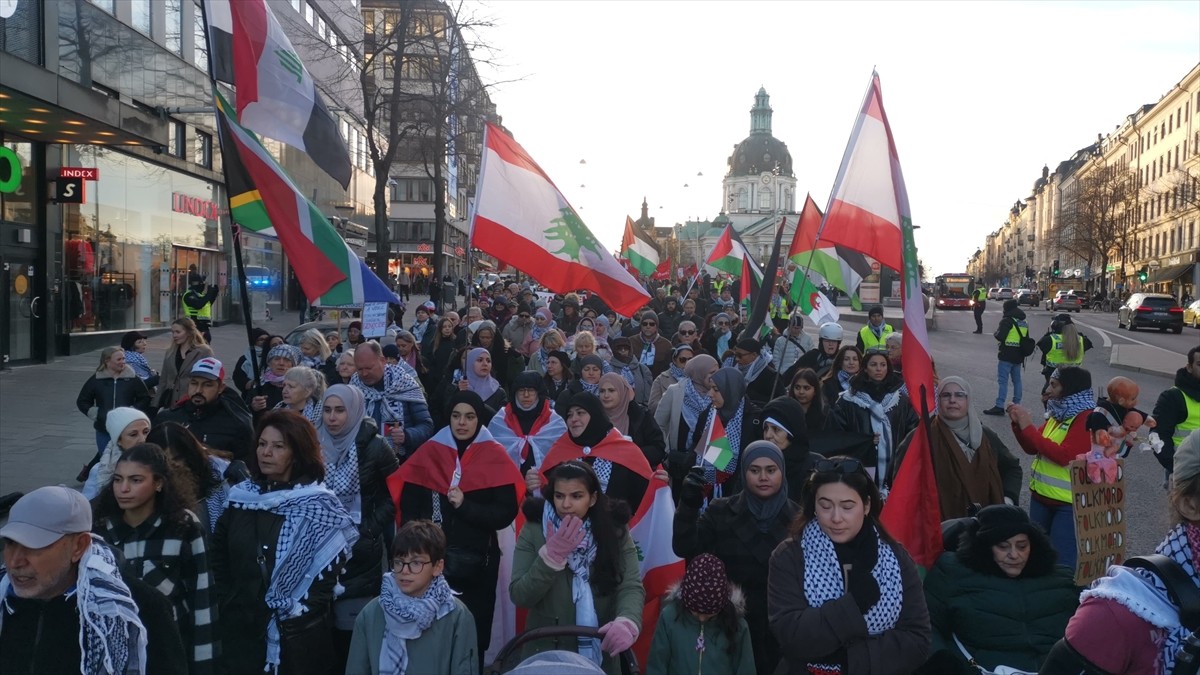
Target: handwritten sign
x=1099, y=511
x=374, y=319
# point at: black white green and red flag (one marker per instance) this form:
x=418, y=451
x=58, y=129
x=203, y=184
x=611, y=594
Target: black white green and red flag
x=731, y=256
x=638, y=249
x=264, y=200
x=523, y=220
x=276, y=95
x=717, y=450
x=869, y=212
x=835, y=265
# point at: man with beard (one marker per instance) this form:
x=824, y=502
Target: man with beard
x=649, y=347
x=213, y=412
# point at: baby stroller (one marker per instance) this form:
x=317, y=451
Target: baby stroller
x=510, y=654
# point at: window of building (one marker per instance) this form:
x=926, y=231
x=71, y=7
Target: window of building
x=1170, y=123
x=203, y=149
x=140, y=15
x=106, y=5
x=310, y=14
x=298, y=5
x=413, y=190
x=173, y=10
x=200, y=47
x=176, y=134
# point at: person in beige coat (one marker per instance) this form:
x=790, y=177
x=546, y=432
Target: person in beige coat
x=187, y=347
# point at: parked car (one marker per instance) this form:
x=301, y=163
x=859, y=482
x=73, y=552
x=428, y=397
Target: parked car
x=993, y=292
x=1151, y=310
x=1064, y=301
x=1026, y=296
x=1191, y=315
x=1004, y=294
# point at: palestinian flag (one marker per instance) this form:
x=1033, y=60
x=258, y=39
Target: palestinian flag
x=837, y=266
x=731, y=256
x=717, y=450
x=264, y=200
x=638, y=249
x=276, y=95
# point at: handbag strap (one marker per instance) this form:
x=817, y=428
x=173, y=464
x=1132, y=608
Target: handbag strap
x=1180, y=587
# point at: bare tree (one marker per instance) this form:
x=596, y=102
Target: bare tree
x=1099, y=216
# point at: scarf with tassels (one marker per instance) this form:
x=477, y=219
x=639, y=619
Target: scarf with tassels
x=111, y=635
x=316, y=536
x=823, y=577
x=311, y=412
x=405, y=618
x=579, y=561
x=880, y=424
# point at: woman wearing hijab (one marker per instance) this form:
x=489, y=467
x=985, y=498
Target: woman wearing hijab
x=357, y=463
x=680, y=356
x=875, y=405
x=1062, y=438
x=678, y=415
x=463, y=480
x=972, y=466
x=591, y=368
x=601, y=334
x=742, y=421
x=784, y=425
x=622, y=468
x=631, y=418
x=543, y=324
x=527, y=427
x=478, y=371
x=742, y=531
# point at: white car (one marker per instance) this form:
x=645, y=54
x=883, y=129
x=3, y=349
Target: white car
x=1004, y=294
x=992, y=292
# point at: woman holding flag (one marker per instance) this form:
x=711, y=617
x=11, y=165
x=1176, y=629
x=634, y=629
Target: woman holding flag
x=731, y=423
x=678, y=414
x=463, y=480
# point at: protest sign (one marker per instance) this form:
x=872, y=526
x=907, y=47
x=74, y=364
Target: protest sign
x=374, y=319
x=1099, y=512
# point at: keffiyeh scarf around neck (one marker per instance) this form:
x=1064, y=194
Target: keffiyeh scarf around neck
x=214, y=503
x=398, y=387
x=676, y=371
x=823, y=577
x=880, y=424
x=317, y=532
x=406, y=618
x=313, y=362
x=580, y=563
x=694, y=403
x=1063, y=409
x=311, y=412
x=1147, y=597
x=111, y=635
x=756, y=367
x=139, y=363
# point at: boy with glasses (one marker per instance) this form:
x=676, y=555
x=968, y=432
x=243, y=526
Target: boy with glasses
x=416, y=625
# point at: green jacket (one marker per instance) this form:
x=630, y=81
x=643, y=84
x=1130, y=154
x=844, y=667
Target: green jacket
x=447, y=646
x=673, y=650
x=1001, y=621
x=546, y=592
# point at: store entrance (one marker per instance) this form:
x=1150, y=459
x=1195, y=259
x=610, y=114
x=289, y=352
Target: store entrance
x=21, y=307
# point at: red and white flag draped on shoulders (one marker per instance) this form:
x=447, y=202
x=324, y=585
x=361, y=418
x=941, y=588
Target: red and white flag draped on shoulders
x=869, y=212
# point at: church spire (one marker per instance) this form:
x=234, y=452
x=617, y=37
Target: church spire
x=760, y=114
x=645, y=211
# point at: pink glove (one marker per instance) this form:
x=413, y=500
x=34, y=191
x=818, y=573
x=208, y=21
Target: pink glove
x=619, y=635
x=564, y=540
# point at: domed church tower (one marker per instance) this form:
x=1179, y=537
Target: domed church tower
x=760, y=178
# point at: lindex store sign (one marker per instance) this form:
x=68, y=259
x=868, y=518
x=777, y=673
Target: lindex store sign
x=86, y=173
x=195, y=206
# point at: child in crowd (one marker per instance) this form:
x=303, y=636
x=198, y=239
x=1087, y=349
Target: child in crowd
x=701, y=628
x=416, y=625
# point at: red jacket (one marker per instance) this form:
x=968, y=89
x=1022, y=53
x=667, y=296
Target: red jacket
x=1125, y=644
x=1077, y=442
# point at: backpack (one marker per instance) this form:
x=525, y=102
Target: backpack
x=1028, y=344
x=1184, y=593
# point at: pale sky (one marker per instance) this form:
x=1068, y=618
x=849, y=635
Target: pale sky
x=980, y=95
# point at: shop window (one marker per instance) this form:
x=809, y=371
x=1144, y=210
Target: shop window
x=17, y=184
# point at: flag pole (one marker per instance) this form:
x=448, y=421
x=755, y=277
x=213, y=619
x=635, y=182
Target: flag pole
x=234, y=228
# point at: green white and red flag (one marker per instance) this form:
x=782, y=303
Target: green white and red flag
x=717, y=450
x=523, y=220
x=637, y=248
x=833, y=264
x=276, y=95
x=869, y=212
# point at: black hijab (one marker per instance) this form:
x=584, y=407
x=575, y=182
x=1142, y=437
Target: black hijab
x=472, y=399
x=528, y=380
x=765, y=511
x=598, y=427
x=789, y=415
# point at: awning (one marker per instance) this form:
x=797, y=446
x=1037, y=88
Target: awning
x=1170, y=273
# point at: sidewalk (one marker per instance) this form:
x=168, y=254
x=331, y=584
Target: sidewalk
x=1144, y=359
x=44, y=440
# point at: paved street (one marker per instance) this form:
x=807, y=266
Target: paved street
x=44, y=440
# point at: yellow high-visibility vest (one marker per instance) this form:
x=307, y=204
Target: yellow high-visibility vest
x=1048, y=479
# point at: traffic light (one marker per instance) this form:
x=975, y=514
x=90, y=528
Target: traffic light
x=1054, y=271
x=1143, y=273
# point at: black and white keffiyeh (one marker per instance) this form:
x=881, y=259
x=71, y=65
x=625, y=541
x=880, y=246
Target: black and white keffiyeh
x=881, y=424
x=214, y=503
x=340, y=450
x=694, y=402
x=111, y=635
x=405, y=618
x=579, y=561
x=398, y=387
x=314, y=362
x=311, y=412
x=317, y=532
x=755, y=368
x=823, y=579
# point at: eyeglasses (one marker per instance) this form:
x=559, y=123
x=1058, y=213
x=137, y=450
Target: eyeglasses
x=960, y=395
x=523, y=316
x=687, y=332
x=683, y=360
x=649, y=323
x=842, y=466
x=414, y=566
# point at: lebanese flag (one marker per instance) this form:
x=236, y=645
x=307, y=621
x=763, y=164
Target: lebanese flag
x=523, y=220
x=276, y=95
x=663, y=271
x=484, y=465
x=869, y=212
x=638, y=249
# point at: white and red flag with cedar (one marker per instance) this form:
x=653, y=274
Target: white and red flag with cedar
x=276, y=95
x=869, y=212
x=523, y=220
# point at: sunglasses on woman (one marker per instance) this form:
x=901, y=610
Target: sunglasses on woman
x=687, y=332
x=842, y=466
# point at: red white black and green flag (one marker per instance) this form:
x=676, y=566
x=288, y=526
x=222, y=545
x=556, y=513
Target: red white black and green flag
x=731, y=256
x=276, y=95
x=639, y=249
x=264, y=200
x=717, y=450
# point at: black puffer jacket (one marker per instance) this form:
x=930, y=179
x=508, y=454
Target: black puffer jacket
x=729, y=531
x=106, y=392
x=847, y=415
x=645, y=434
x=226, y=425
x=1170, y=410
x=376, y=462
x=471, y=526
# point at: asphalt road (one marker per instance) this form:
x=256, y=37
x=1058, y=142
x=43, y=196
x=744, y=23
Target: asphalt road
x=957, y=351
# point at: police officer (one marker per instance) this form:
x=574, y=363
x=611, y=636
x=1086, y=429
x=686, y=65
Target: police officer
x=979, y=295
x=874, y=334
x=1177, y=410
x=197, y=303
x=1062, y=345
